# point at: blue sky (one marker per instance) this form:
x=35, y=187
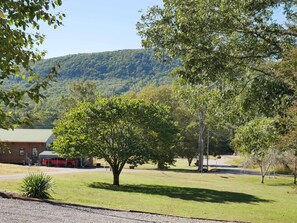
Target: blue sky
x=96, y=26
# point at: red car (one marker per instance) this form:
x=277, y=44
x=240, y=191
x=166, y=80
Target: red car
x=58, y=162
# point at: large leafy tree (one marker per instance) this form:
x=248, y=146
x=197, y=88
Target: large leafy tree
x=163, y=156
x=287, y=71
x=220, y=39
x=203, y=101
x=20, y=21
x=182, y=112
x=288, y=140
x=238, y=45
x=257, y=139
x=118, y=129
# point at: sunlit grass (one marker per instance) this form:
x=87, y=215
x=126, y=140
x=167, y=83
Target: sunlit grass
x=236, y=161
x=7, y=169
x=213, y=196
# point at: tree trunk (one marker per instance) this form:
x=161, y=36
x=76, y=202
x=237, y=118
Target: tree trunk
x=161, y=165
x=190, y=161
x=116, y=168
x=201, y=143
x=201, y=152
x=116, y=177
x=294, y=178
x=207, y=149
x=262, y=179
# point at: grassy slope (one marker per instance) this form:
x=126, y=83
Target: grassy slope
x=229, y=197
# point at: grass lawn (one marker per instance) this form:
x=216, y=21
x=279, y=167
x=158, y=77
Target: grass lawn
x=212, y=196
x=6, y=169
x=236, y=161
x=180, y=164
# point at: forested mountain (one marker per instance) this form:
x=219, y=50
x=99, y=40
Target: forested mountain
x=114, y=72
x=85, y=76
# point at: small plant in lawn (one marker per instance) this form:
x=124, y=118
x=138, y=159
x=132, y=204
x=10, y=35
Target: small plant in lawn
x=37, y=185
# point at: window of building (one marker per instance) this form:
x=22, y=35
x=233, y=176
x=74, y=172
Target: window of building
x=34, y=152
x=22, y=152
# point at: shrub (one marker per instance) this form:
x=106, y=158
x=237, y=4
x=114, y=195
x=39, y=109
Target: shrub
x=37, y=186
x=282, y=169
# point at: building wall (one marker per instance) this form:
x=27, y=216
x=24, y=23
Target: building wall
x=21, y=152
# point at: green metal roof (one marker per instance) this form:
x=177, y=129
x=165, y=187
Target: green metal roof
x=48, y=154
x=26, y=135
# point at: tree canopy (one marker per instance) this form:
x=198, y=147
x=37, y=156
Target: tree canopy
x=107, y=72
x=18, y=21
x=118, y=129
x=238, y=46
x=257, y=139
x=220, y=39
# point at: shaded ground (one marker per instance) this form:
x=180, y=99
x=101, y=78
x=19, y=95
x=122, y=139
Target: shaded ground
x=185, y=193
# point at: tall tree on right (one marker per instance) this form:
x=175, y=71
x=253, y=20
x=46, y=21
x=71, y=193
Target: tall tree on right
x=287, y=71
x=232, y=44
x=220, y=39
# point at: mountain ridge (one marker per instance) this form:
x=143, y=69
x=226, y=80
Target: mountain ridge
x=120, y=64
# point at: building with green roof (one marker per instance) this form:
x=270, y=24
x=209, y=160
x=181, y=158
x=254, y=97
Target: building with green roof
x=24, y=145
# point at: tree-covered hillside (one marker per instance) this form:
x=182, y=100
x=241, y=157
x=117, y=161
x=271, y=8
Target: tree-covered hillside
x=86, y=76
x=114, y=72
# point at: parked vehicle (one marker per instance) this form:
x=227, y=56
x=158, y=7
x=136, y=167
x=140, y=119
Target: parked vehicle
x=61, y=162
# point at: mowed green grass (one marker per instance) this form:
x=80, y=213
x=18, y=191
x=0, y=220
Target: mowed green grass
x=212, y=196
x=8, y=169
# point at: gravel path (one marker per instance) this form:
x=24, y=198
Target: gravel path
x=15, y=211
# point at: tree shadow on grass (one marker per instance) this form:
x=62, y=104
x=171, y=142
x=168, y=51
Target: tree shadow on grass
x=289, y=184
x=185, y=193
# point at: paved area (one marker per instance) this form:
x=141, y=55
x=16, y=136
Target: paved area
x=15, y=211
x=221, y=166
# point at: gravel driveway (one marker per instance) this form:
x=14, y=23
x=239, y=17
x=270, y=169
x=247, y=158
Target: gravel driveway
x=15, y=211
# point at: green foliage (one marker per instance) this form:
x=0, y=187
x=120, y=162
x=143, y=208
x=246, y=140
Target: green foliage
x=183, y=102
x=286, y=69
x=83, y=70
x=236, y=45
x=219, y=39
x=118, y=129
x=203, y=102
x=78, y=92
x=256, y=137
x=288, y=140
x=132, y=65
x=19, y=24
x=266, y=96
x=37, y=185
x=163, y=156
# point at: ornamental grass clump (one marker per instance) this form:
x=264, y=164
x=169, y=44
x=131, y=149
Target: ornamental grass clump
x=37, y=185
